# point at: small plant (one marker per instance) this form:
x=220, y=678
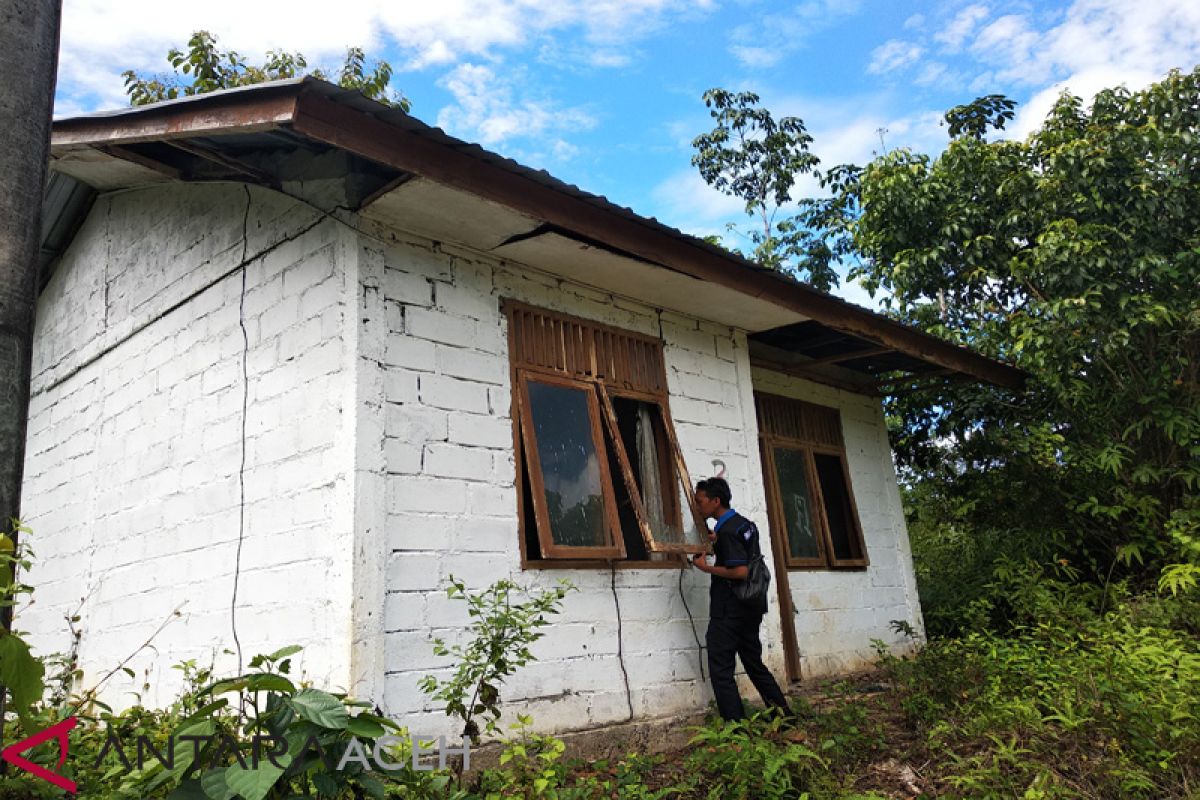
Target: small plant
x=501, y=632
x=752, y=759
x=529, y=766
x=22, y=675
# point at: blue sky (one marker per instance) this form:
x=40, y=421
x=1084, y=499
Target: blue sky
x=606, y=94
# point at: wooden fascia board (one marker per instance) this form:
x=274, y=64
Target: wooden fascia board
x=242, y=114
x=321, y=118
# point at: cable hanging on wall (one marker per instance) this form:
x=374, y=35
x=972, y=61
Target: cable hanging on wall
x=620, y=638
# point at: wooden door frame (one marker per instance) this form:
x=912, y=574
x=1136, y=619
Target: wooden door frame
x=778, y=537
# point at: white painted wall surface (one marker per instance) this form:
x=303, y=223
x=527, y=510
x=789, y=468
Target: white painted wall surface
x=379, y=461
x=135, y=436
x=452, y=502
x=839, y=612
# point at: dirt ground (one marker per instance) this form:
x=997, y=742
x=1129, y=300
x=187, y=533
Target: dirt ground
x=853, y=722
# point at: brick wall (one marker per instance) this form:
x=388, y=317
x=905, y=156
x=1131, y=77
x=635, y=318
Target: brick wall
x=378, y=446
x=452, y=503
x=135, y=439
x=839, y=612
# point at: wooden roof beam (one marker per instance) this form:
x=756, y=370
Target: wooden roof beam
x=852, y=356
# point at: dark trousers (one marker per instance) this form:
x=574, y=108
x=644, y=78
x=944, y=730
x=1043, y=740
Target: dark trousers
x=728, y=637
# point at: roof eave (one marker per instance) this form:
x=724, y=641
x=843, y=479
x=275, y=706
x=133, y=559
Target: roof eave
x=341, y=118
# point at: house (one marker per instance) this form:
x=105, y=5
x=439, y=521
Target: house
x=299, y=358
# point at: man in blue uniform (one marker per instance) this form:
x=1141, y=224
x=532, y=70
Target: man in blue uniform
x=733, y=625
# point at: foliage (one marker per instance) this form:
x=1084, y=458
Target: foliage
x=844, y=733
x=317, y=727
x=501, y=632
x=202, y=66
x=21, y=674
x=752, y=156
x=751, y=759
x=1071, y=702
x=975, y=118
x=1073, y=254
x=529, y=765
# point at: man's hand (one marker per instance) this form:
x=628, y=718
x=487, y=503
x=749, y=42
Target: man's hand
x=700, y=563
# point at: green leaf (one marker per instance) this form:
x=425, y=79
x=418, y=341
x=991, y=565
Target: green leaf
x=365, y=727
x=373, y=787
x=20, y=672
x=284, y=652
x=252, y=784
x=326, y=785
x=213, y=782
x=270, y=683
x=191, y=789
x=321, y=708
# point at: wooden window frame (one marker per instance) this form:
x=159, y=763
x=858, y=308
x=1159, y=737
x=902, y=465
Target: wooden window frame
x=612, y=363
x=826, y=559
x=671, y=460
x=616, y=543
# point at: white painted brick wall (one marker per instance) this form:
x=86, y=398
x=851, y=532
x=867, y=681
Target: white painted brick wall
x=839, y=612
x=379, y=461
x=449, y=515
x=135, y=436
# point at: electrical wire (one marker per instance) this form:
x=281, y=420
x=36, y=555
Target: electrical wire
x=692, y=622
x=620, y=638
x=237, y=564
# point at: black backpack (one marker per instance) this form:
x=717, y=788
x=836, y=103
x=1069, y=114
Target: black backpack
x=752, y=591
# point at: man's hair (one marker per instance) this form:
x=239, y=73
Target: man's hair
x=717, y=488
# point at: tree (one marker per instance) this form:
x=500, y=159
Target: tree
x=28, y=61
x=751, y=155
x=1074, y=254
x=204, y=67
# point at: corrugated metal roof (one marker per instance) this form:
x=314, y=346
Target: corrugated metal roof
x=397, y=118
x=64, y=207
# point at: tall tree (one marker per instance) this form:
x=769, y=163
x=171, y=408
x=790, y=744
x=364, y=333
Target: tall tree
x=28, y=64
x=202, y=66
x=1075, y=254
x=752, y=156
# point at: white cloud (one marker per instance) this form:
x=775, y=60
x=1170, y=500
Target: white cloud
x=1096, y=44
x=893, y=55
x=100, y=38
x=1014, y=47
x=931, y=72
x=1094, y=36
x=488, y=109
x=774, y=37
x=1087, y=46
x=685, y=201
x=963, y=25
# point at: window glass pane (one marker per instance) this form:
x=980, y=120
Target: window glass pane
x=836, y=495
x=792, y=472
x=635, y=548
x=562, y=426
x=669, y=530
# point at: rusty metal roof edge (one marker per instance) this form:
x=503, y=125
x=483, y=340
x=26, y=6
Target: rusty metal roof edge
x=401, y=119
x=213, y=97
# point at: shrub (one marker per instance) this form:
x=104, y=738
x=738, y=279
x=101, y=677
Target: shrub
x=751, y=760
x=1072, y=702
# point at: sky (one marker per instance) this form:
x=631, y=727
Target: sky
x=606, y=94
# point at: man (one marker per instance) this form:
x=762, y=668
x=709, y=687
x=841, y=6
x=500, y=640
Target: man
x=732, y=625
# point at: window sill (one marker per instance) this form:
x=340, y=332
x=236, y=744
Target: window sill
x=827, y=568
x=579, y=563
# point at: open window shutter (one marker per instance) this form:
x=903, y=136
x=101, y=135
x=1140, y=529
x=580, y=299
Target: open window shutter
x=575, y=510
